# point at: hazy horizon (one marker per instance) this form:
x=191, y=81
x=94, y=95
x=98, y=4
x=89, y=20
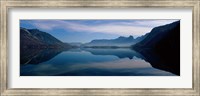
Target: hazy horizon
x=83, y=31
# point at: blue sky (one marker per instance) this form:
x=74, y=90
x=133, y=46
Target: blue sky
x=87, y=30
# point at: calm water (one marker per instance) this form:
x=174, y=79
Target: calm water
x=87, y=62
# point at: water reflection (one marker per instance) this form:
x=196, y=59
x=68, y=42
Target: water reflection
x=87, y=62
x=36, y=56
x=168, y=62
x=119, y=52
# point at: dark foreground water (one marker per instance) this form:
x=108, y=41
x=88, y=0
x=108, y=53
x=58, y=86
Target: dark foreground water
x=87, y=62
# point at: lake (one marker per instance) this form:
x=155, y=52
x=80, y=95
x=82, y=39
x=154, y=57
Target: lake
x=87, y=62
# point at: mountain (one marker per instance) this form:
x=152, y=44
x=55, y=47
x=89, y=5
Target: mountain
x=162, y=43
x=45, y=37
x=34, y=38
x=75, y=44
x=118, y=42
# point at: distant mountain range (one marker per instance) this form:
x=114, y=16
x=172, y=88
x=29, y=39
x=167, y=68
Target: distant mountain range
x=76, y=44
x=118, y=42
x=34, y=38
x=163, y=42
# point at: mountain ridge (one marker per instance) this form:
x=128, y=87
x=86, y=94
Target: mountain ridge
x=162, y=43
x=34, y=38
x=121, y=41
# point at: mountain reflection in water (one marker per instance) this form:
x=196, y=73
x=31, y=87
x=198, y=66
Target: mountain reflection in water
x=88, y=62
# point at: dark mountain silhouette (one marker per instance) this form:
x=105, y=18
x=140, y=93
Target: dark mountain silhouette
x=27, y=39
x=162, y=47
x=34, y=38
x=118, y=42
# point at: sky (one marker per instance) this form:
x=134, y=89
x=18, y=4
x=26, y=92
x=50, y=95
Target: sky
x=86, y=30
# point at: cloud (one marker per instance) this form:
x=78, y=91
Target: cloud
x=123, y=30
x=153, y=23
x=117, y=27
